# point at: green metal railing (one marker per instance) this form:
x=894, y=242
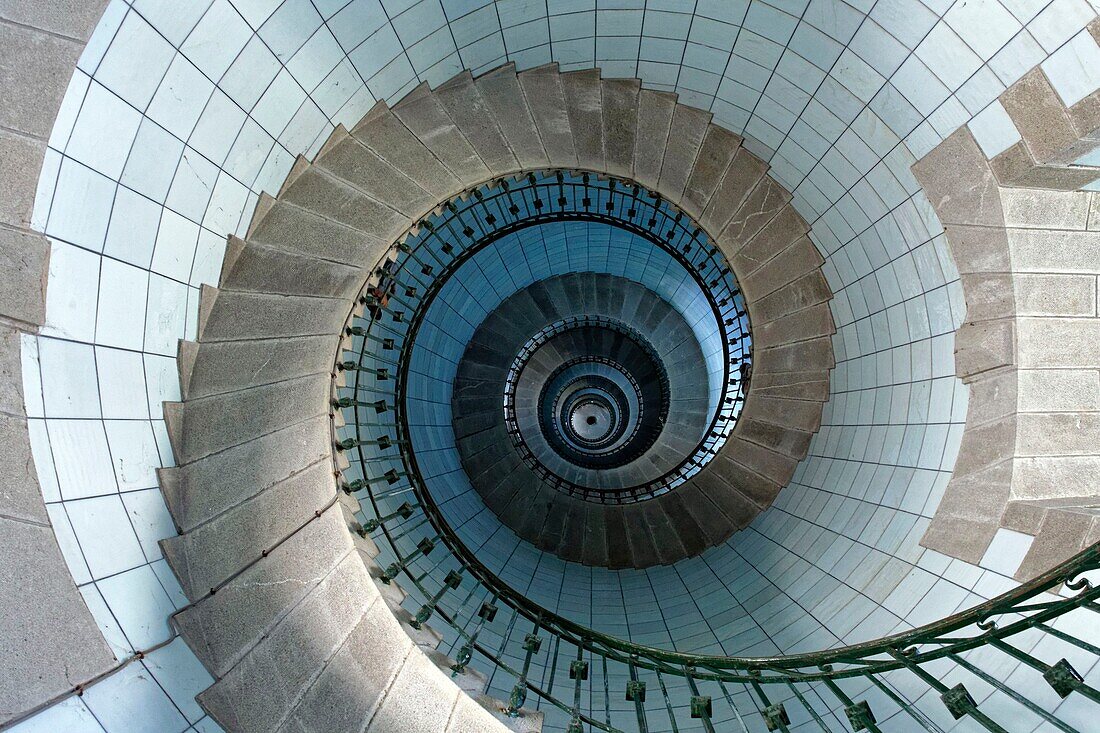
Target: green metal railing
x=927, y=678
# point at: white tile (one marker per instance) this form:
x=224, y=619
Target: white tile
x=150, y=518
x=192, y=186
x=1074, y=69
x=984, y=24
x=81, y=457
x=69, y=715
x=81, y=206
x=993, y=130
x=122, y=297
x=66, y=540
x=69, y=378
x=174, y=252
x=182, y=675
x=70, y=108
x=121, y=384
x=133, y=452
x=106, y=537
x=1060, y=20
x=217, y=39
x=180, y=98
x=166, y=315
x=130, y=701
x=133, y=228
x=208, y=258
x=217, y=128
x=1006, y=552
x=162, y=382
x=174, y=20
x=153, y=160
x=104, y=131
x=43, y=460
x=139, y=604
x=135, y=62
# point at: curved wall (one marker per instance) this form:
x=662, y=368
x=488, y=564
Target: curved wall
x=180, y=114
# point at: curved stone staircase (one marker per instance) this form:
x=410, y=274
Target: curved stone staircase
x=284, y=611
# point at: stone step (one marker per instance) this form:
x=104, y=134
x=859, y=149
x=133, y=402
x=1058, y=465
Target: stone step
x=210, y=553
x=546, y=100
x=619, y=99
x=390, y=139
x=685, y=138
x=360, y=167
x=199, y=428
x=253, y=267
x=231, y=315
x=462, y=101
x=502, y=94
x=655, y=111
x=228, y=366
x=715, y=154
x=290, y=656
x=427, y=119
x=583, y=97
x=197, y=491
x=216, y=630
x=301, y=231
x=326, y=195
x=740, y=179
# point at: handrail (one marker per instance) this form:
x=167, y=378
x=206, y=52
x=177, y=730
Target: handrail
x=770, y=681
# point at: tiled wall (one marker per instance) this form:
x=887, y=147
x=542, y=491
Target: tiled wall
x=181, y=113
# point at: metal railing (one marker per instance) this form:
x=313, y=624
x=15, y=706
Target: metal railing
x=927, y=678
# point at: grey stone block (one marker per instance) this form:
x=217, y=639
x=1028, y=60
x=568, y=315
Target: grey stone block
x=787, y=266
x=384, y=133
x=759, y=207
x=620, y=124
x=198, y=491
x=20, y=495
x=45, y=653
x=470, y=717
x=738, y=509
x=502, y=93
x=230, y=315
x=1061, y=535
x=795, y=357
x=780, y=232
x=800, y=385
x=685, y=138
x=209, y=554
x=35, y=69
x=667, y=541
x=984, y=346
x=253, y=267
x=227, y=366
x=429, y=122
x=775, y=467
x=958, y=182
x=348, y=691
x=643, y=550
x=217, y=630
x=469, y=112
x=215, y=423
x=798, y=414
x=655, y=111
x=419, y=700
x=812, y=322
x=293, y=654
x=779, y=438
x=297, y=230
x=352, y=162
x=336, y=200
x=1058, y=343
x=715, y=154
x=75, y=19
x=20, y=165
x=546, y=100
x=803, y=292
x=745, y=171
x=584, y=105
x=11, y=371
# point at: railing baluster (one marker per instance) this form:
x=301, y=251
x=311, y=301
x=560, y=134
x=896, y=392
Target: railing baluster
x=635, y=693
x=809, y=708
x=775, y=716
x=531, y=644
x=1011, y=693
x=700, y=705
x=1060, y=675
x=957, y=699
x=668, y=704
x=859, y=714
x=909, y=707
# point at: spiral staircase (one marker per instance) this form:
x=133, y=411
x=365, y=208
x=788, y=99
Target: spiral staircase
x=550, y=315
